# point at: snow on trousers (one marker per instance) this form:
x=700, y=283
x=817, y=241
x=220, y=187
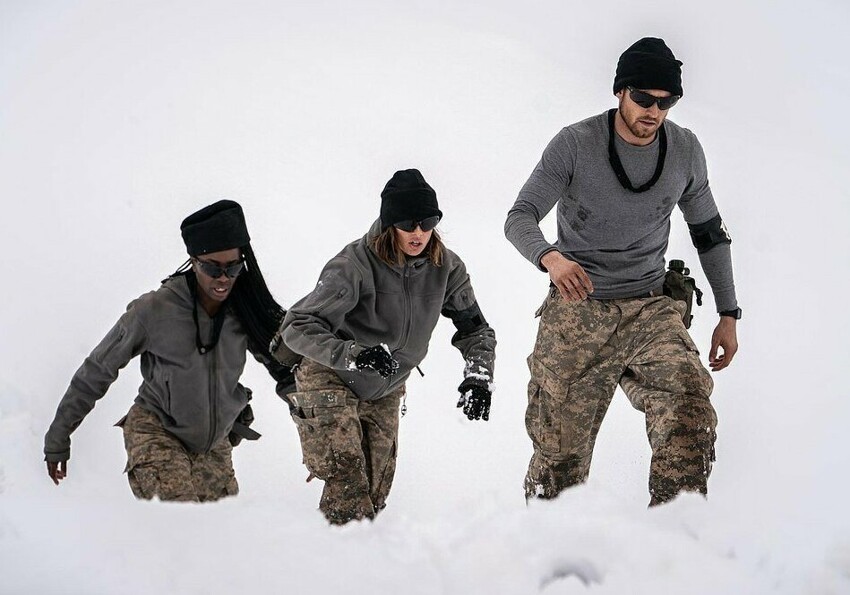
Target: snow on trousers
x=583, y=351
x=349, y=443
x=158, y=465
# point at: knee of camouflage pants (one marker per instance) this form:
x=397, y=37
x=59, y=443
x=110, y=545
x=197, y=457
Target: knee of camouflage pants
x=382, y=482
x=345, y=496
x=157, y=464
x=168, y=480
x=212, y=473
x=546, y=478
x=682, y=436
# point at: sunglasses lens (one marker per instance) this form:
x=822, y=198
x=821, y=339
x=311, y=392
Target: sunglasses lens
x=233, y=270
x=429, y=223
x=645, y=100
x=668, y=102
x=210, y=270
x=407, y=225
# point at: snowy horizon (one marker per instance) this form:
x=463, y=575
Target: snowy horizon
x=117, y=119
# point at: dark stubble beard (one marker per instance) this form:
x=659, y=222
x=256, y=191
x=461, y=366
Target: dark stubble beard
x=633, y=126
x=640, y=131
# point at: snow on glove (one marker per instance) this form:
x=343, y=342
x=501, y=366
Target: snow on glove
x=377, y=358
x=475, y=399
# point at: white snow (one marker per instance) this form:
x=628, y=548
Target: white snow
x=117, y=119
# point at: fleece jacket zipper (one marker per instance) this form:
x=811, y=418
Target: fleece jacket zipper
x=405, y=286
x=213, y=397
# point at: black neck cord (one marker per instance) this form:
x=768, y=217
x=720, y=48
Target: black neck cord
x=218, y=320
x=622, y=176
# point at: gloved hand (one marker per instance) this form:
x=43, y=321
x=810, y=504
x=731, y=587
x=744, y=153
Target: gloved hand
x=475, y=399
x=241, y=427
x=377, y=358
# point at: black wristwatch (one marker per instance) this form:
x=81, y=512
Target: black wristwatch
x=736, y=313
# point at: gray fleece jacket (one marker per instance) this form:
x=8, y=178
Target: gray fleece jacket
x=360, y=301
x=196, y=396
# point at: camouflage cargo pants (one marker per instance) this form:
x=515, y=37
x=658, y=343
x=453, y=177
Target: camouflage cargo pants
x=583, y=351
x=349, y=444
x=158, y=465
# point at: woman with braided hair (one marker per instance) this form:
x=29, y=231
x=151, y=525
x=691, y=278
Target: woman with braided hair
x=192, y=335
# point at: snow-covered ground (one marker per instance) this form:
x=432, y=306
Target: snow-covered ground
x=119, y=118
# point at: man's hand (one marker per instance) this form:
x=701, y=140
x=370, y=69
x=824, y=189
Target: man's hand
x=568, y=276
x=726, y=337
x=475, y=400
x=57, y=471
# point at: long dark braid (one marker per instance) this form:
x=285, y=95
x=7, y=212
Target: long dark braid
x=253, y=303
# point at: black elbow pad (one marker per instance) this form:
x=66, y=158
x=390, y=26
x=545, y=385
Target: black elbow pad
x=467, y=320
x=706, y=236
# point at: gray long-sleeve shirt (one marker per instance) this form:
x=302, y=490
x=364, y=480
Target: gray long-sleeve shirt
x=619, y=237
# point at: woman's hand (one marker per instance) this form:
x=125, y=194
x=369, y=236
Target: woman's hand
x=377, y=358
x=57, y=470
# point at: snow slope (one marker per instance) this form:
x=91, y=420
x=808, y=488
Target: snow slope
x=118, y=118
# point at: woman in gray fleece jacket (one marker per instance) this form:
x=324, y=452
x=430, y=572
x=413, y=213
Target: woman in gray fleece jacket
x=192, y=335
x=363, y=330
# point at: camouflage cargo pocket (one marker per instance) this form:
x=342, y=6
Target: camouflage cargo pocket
x=144, y=478
x=561, y=413
x=320, y=417
x=677, y=369
x=701, y=381
x=541, y=428
x=690, y=346
x=547, y=398
x=161, y=474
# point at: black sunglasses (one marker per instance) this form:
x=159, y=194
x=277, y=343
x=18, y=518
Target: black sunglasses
x=646, y=101
x=215, y=271
x=426, y=224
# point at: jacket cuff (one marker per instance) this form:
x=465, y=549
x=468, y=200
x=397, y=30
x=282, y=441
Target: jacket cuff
x=351, y=355
x=282, y=353
x=57, y=457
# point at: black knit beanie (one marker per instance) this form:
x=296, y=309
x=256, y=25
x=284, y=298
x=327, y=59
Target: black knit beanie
x=407, y=196
x=649, y=64
x=219, y=226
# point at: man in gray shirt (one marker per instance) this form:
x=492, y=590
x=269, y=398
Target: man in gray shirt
x=606, y=321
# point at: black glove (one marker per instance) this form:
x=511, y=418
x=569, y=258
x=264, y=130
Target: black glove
x=240, y=428
x=377, y=358
x=285, y=386
x=475, y=399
